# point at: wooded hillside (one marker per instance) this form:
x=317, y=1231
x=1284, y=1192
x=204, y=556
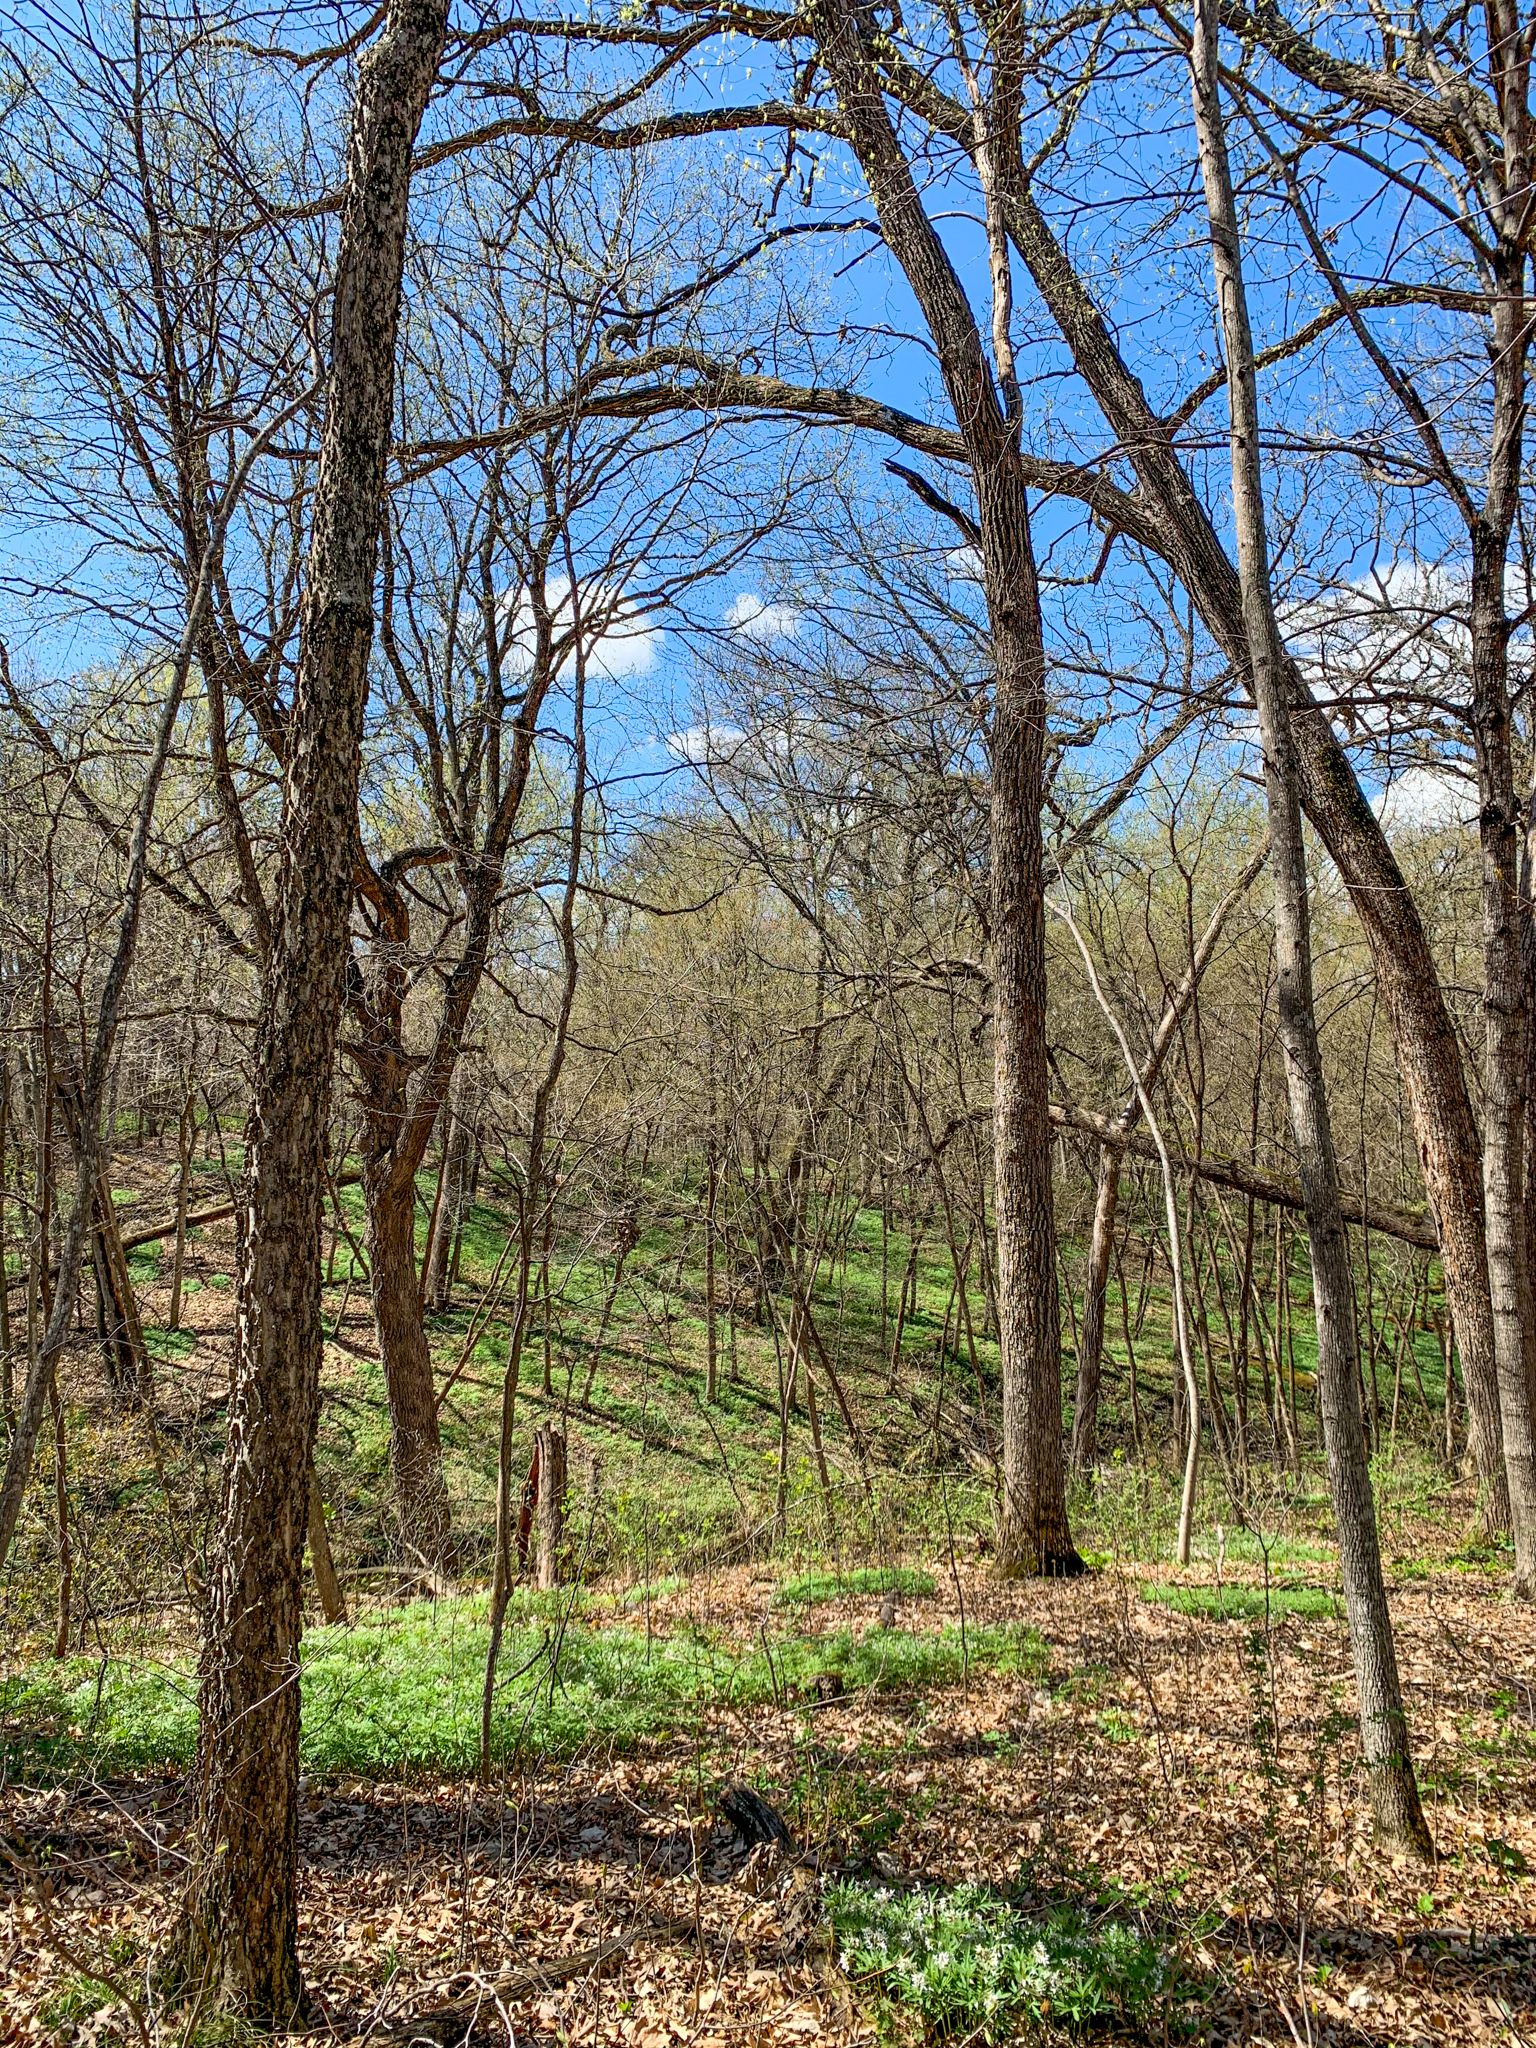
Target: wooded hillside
x=767, y=1015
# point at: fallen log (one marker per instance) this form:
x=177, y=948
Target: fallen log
x=195, y=1217
x=1248, y=1180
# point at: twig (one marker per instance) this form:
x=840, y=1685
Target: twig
x=451, y=2024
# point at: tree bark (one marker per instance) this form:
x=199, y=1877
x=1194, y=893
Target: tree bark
x=455, y=1202
x=185, y=1136
x=986, y=401
x=1033, y=1536
x=711, y=1320
x=237, y=1940
x=549, y=1509
x=327, y=1585
x=1398, y=1816
x=1445, y=1129
x=416, y=1454
x=1506, y=1033
x=1506, y=1015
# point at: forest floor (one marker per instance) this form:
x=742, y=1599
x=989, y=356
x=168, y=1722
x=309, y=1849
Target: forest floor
x=1190, y=1776
x=1131, y=1799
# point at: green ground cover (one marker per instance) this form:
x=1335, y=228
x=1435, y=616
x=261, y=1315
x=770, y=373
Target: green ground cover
x=400, y=1694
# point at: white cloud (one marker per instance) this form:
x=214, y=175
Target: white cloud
x=761, y=618
x=1399, y=629
x=729, y=747
x=620, y=641
x=703, y=745
x=965, y=565
x=1426, y=800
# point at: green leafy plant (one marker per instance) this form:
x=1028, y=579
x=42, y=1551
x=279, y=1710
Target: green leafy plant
x=75, y=1999
x=403, y=1693
x=1115, y=1726
x=970, y=1965
x=170, y=1345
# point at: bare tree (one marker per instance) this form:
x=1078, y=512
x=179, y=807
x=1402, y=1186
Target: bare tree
x=238, y=1935
x=1383, y=1725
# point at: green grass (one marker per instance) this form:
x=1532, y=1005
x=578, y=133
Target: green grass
x=811, y=1587
x=1246, y=1546
x=970, y=1966
x=169, y=1344
x=75, y=1999
x=1245, y=1603
x=653, y=1589
x=402, y=1695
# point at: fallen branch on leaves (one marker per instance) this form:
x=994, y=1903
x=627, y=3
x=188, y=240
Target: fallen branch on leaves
x=454, y=2024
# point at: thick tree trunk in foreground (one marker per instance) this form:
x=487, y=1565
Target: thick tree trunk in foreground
x=1450, y=1152
x=416, y=1454
x=1398, y=1816
x=238, y=1938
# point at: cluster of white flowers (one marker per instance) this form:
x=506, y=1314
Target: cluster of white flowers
x=965, y=1959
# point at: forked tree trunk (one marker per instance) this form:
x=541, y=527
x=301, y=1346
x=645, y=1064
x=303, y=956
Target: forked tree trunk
x=237, y=1942
x=416, y=1453
x=1398, y=1816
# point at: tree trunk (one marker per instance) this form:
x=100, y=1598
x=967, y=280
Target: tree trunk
x=986, y=401
x=1090, y=1353
x=1395, y=1804
x=1033, y=1536
x=711, y=1320
x=1429, y=1057
x=1506, y=1033
x=238, y=1936
x=61, y=1513
x=1085, y=1411
x=459, y=1147
x=416, y=1452
x=185, y=1136
x=549, y=1511
x=118, y=1324
x=327, y=1585
x=118, y=1330
x=7, y=1383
